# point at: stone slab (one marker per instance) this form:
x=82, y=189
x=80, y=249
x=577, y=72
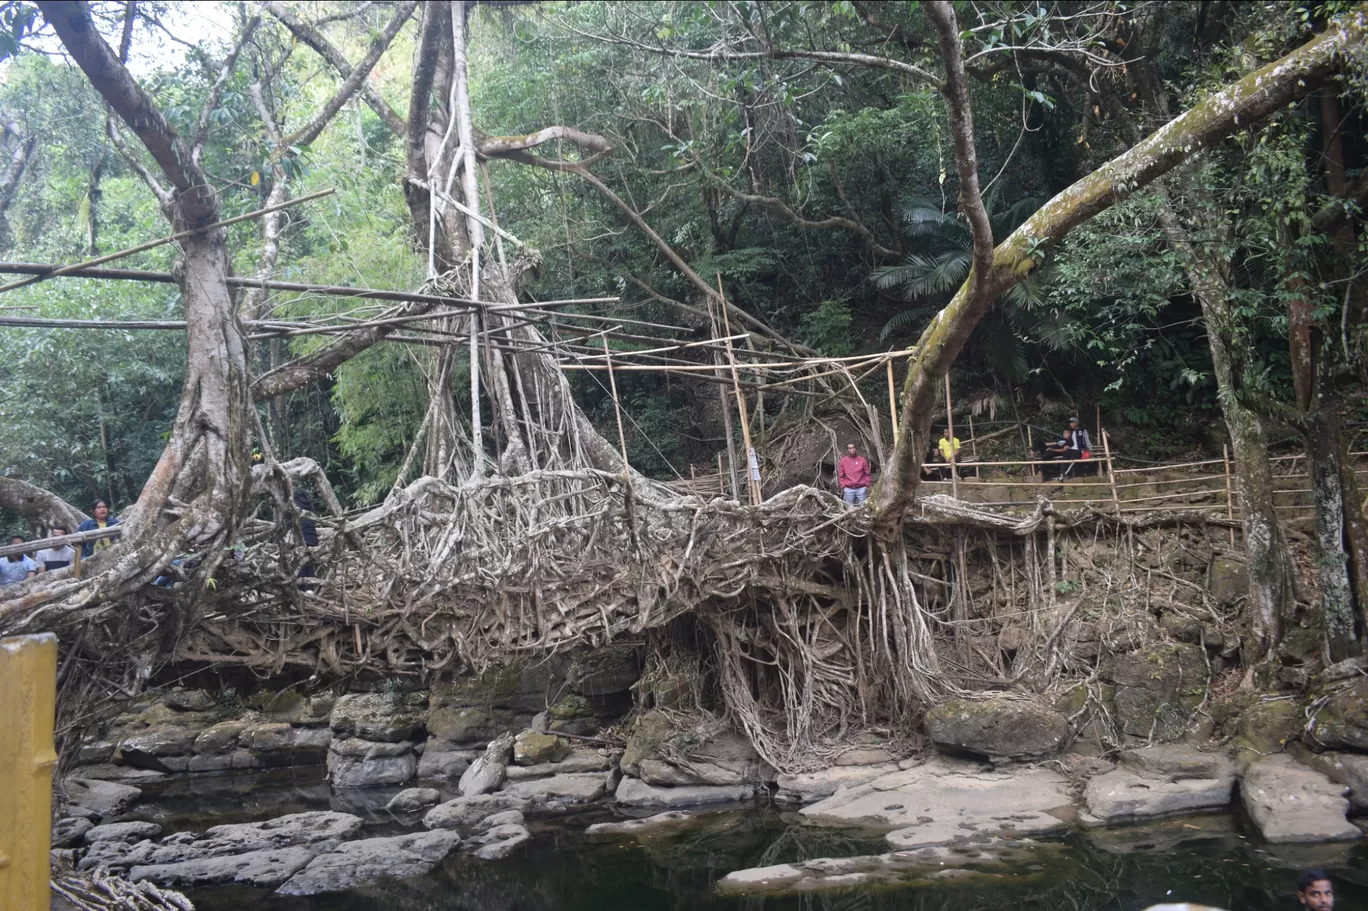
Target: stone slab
x=633, y=792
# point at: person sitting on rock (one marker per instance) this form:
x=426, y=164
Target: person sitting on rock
x=1315, y=891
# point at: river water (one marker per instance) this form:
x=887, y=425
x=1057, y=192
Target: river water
x=1212, y=859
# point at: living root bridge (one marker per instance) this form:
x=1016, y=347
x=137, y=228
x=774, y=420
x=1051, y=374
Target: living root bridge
x=805, y=626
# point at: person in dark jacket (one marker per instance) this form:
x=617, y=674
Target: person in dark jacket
x=102, y=520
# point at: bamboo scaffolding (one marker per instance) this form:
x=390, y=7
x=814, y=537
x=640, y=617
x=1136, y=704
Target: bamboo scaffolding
x=161, y=241
x=892, y=401
x=751, y=484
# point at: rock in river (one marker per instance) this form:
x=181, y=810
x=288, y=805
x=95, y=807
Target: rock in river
x=1292, y=803
x=356, y=863
x=1007, y=728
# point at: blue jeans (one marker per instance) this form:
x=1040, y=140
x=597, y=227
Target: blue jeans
x=854, y=495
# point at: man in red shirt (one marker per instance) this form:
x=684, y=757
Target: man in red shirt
x=852, y=476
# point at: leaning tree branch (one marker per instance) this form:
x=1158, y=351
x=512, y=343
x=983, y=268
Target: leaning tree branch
x=14, y=171
x=1215, y=117
x=311, y=36
x=355, y=79
x=38, y=505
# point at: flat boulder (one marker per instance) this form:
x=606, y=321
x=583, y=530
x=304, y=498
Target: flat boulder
x=357, y=863
x=104, y=798
x=633, y=792
x=564, y=789
x=123, y=831
x=812, y=786
x=1350, y=769
x=997, y=727
x=413, y=799
x=1124, y=795
x=498, y=842
x=466, y=812
x=1292, y=803
x=1176, y=762
x=374, y=716
x=945, y=801
x=265, y=868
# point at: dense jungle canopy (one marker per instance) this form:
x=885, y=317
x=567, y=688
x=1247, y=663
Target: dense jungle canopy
x=1147, y=211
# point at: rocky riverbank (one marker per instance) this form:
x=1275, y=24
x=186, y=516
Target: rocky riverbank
x=469, y=765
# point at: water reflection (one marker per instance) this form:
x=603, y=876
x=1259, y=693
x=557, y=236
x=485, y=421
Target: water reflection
x=1210, y=859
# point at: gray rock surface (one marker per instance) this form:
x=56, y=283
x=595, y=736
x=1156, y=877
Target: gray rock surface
x=1123, y=795
x=412, y=799
x=374, y=716
x=1342, y=721
x=487, y=773
x=1157, y=688
x=127, y=832
x=442, y=759
x=1008, y=728
x=70, y=831
x=659, y=772
x=367, y=764
x=105, y=798
x=945, y=801
x=498, y=842
x=465, y=812
x=1349, y=769
x=1175, y=762
x=166, y=740
x=812, y=786
x=633, y=792
x=577, y=761
x=502, y=818
x=1292, y=803
x=583, y=788
x=356, y=863
x=669, y=820
x=604, y=671
x=220, y=738
x=255, y=868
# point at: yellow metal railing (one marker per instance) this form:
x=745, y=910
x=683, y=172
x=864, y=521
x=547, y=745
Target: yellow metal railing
x=28, y=695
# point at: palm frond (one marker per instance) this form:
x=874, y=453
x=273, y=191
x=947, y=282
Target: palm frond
x=903, y=318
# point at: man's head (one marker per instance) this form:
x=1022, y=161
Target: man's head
x=100, y=510
x=946, y=433
x=17, y=539
x=1315, y=891
x=850, y=449
x=1073, y=423
x=56, y=531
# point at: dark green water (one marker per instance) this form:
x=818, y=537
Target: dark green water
x=1209, y=859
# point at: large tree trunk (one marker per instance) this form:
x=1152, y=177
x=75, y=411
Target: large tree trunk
x=1271, y=589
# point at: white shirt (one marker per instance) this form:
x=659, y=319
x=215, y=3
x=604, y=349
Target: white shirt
x=64, y=554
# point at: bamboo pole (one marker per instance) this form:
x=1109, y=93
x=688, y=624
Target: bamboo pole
x=1030, y=447
x=950, y=425
x=892, y=402
x=751, y=485
x=1111, y=476
x=617, y=410
x=726, y=407
x=1230, y=503
x=28, y=698
x=973, y=438
x=171, y=238
x=722, y=478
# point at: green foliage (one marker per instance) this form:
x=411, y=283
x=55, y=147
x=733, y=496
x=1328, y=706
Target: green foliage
x=828, y=328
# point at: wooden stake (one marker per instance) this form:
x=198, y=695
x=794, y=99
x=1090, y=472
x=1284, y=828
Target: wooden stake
x=1111, y=475
x=751, y=485
x=973, y=438
x=950, y=424
x=617, y=411
x=722, y=478
x=1230, y=502
x=892, y=402
x=1030, y=448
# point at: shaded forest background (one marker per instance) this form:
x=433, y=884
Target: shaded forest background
x=824, y=195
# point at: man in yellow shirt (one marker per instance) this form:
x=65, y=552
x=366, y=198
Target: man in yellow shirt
x=949, y=446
